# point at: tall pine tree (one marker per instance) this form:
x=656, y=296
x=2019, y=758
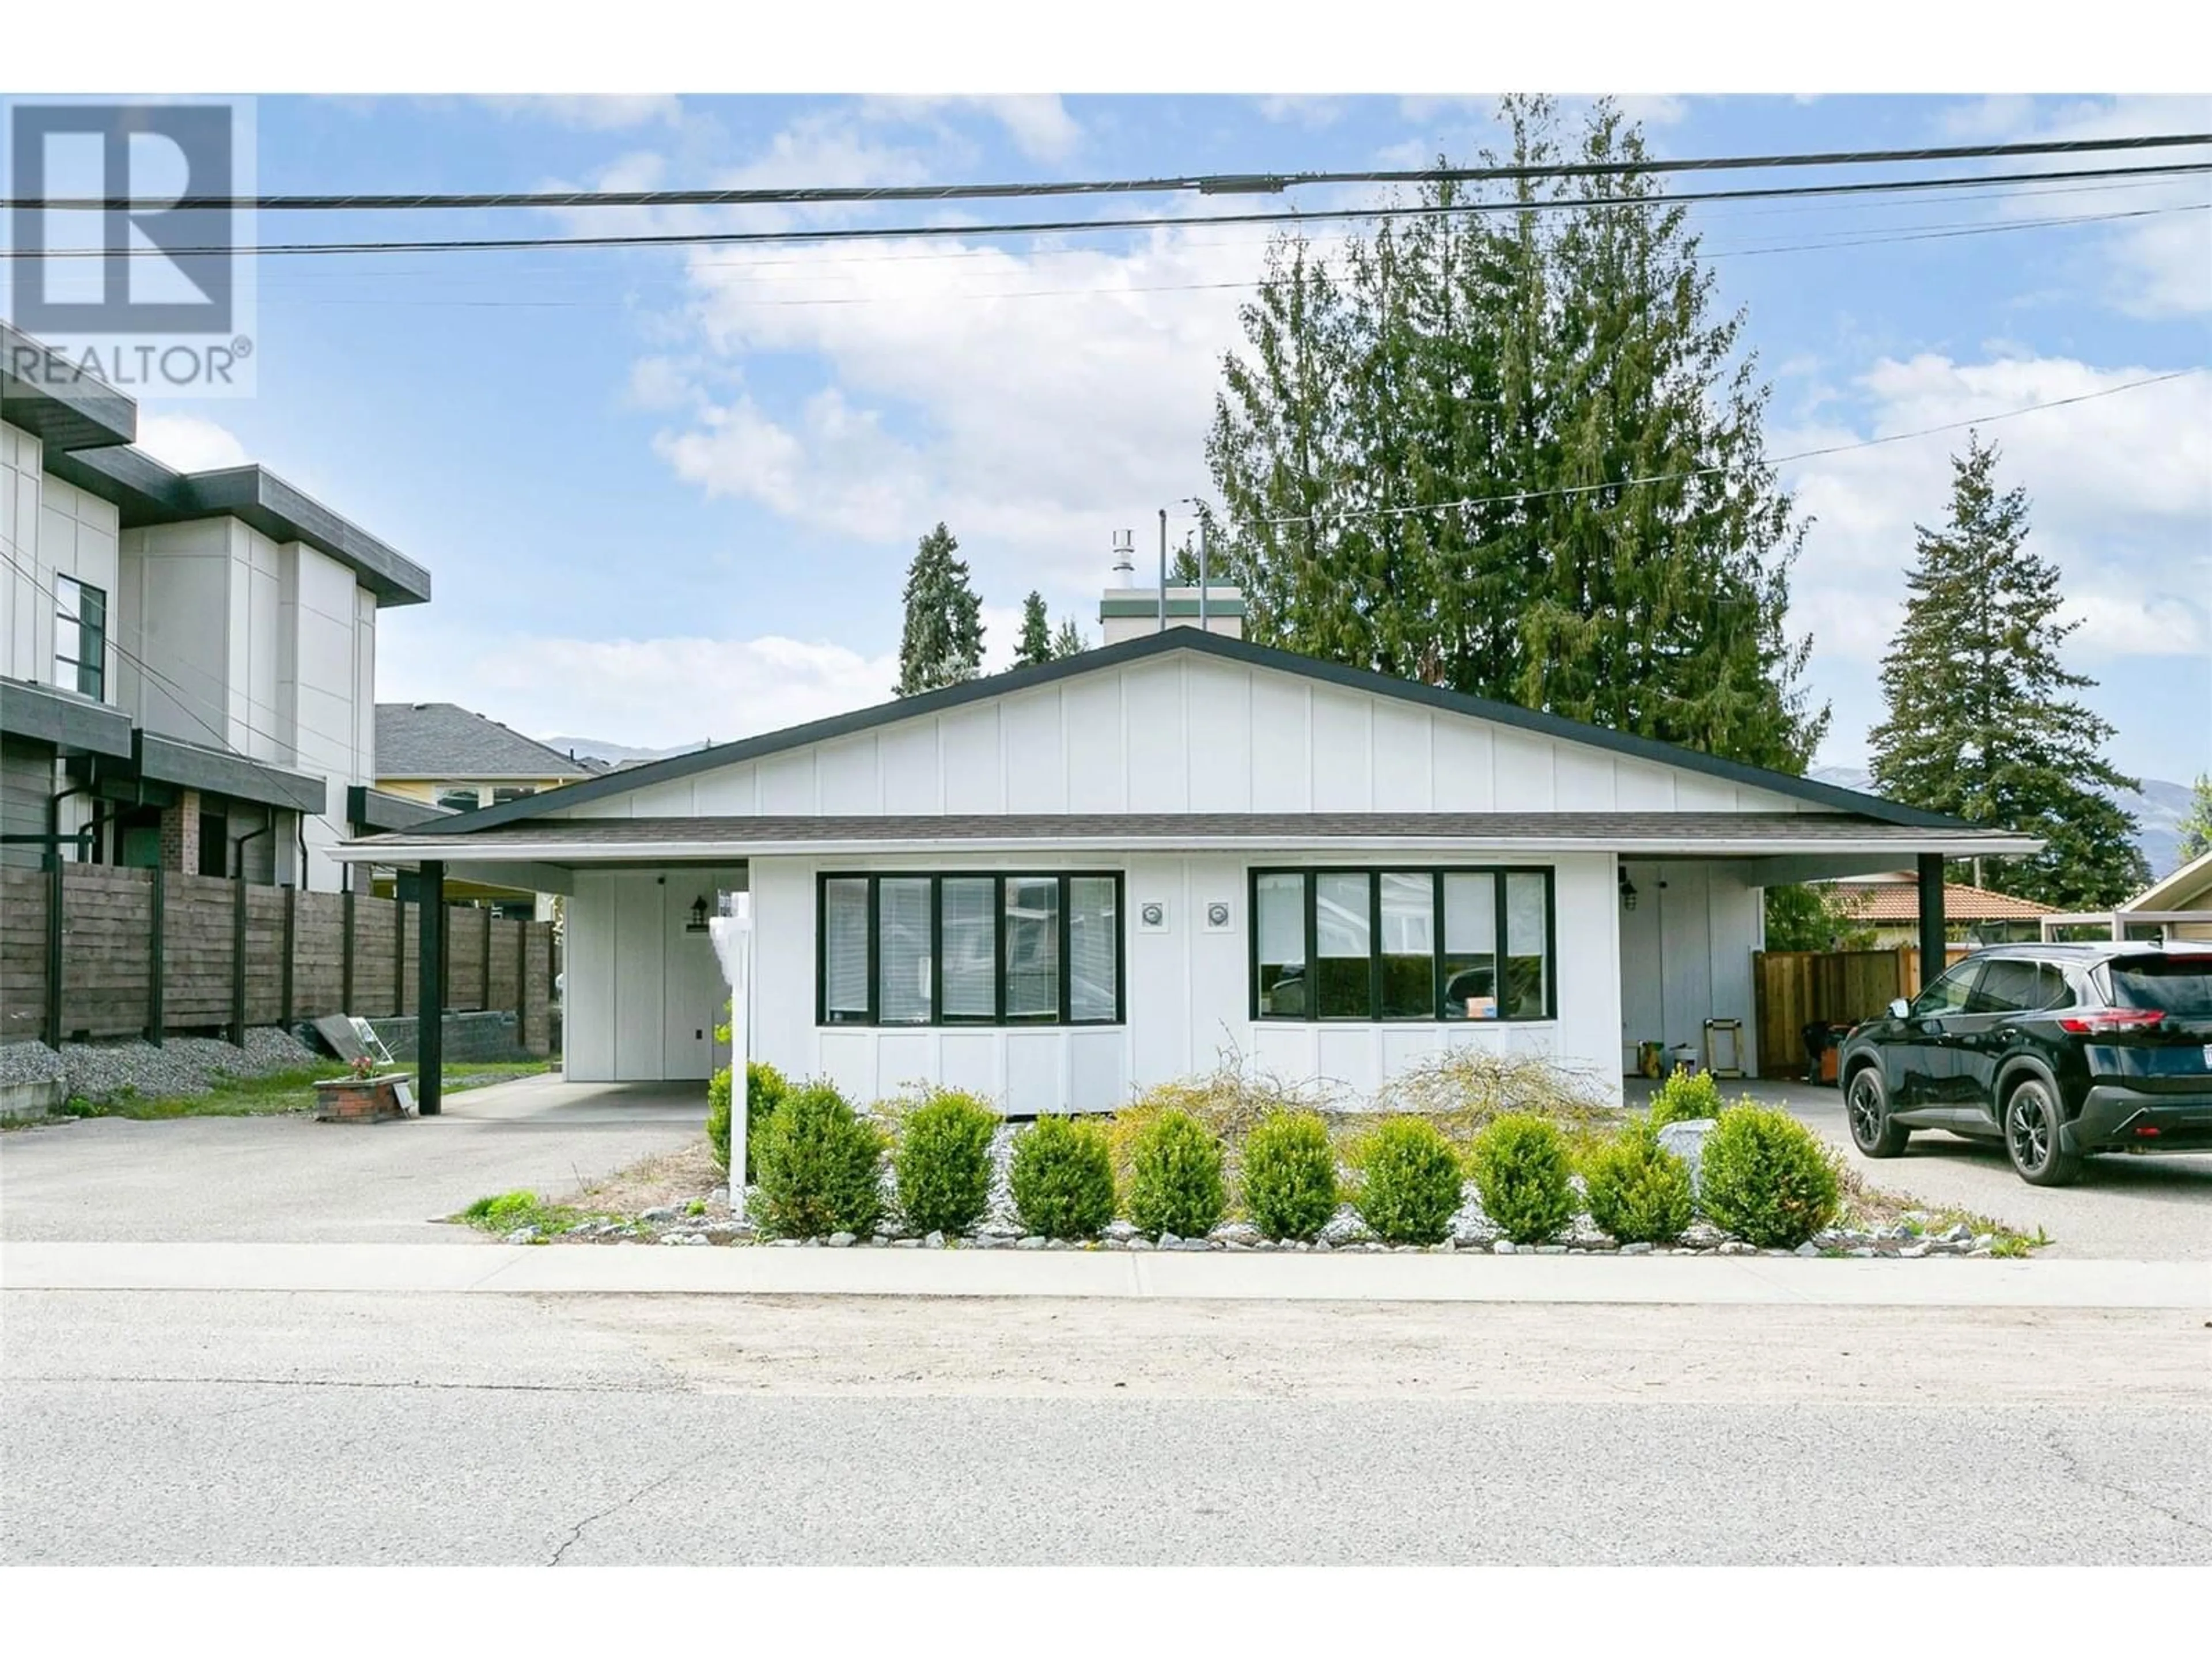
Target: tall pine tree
x=942, y=642
x=1520, y=454
x=1069, y=641
x=1981, y=724
x=2197, y=828
x=1035, y=645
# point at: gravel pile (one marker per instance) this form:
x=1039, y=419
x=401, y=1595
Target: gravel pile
x=182, y=1065
x=29, y=1062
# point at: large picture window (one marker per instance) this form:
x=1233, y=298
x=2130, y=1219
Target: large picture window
x=970, y=950
x=1402, y=944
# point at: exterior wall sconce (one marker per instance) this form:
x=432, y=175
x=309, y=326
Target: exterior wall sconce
x=698, y=922
x=1627, y=892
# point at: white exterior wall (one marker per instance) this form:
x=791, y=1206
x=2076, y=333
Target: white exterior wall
x=644, y=994
x=1183, y=734
x=265, y=648
x=50, y=529
x=1188, y=1000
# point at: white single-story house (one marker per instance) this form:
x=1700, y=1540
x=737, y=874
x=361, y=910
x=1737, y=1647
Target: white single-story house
x=1061, y=884
x=2177, y=906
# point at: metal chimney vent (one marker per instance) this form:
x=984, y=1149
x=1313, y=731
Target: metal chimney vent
x=1125, y=558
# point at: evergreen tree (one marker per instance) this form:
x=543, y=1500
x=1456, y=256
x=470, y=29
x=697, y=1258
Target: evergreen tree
x=1980, y=724
x=1035, y=645
x=942, y=642
x=1182, y=567
x=1520, y=455
x=1069, y=641
x=2197, y=828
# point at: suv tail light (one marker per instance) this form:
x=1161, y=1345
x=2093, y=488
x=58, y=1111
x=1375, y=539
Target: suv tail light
x=2096, y=1021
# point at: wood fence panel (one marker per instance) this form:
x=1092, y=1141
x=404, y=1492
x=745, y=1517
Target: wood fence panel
x=318, y=965
x=196, y=950
x=1792, y=989
x=106, y=970
x=494, y=963
x=265, y=954
x=23, y=952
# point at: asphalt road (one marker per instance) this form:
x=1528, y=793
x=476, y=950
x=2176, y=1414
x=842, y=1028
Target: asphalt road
x=213, y=1428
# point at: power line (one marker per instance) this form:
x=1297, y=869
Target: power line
x=933, y=297
x=1072, y=226
x=1207, y=184
x=1517, y=496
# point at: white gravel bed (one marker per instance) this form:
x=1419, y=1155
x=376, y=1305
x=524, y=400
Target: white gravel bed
x=182, y=1065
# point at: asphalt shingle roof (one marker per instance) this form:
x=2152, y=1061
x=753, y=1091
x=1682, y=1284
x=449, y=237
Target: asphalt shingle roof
x=444, y=741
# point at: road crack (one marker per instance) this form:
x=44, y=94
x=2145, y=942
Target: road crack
x=2074, y=1472
x=645, y=1491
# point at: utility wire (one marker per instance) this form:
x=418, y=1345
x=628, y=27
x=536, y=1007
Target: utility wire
x=1059, y=227
x=1204, y=184
x=1519, y=495
x=940, y=296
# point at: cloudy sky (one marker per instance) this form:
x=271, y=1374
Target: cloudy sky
x=669, y=495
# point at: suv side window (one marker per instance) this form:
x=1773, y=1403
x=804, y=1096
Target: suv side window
x=1949, y=994
x=2010, y=985
x=2053, y=990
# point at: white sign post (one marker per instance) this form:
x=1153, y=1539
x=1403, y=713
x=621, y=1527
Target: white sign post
x=732, y=938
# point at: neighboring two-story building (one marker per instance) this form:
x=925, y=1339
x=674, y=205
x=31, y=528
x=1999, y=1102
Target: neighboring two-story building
x=187, y=660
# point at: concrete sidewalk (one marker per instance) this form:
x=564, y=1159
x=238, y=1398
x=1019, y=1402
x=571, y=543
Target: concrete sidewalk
x=521, y=1270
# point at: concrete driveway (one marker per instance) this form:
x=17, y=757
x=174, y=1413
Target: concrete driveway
x=293, y=1180
x=2143, y=1209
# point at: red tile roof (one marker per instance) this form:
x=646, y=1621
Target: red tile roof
x=1900, y=901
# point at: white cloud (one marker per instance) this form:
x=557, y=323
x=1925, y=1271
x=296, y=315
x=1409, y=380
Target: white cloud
x=2119, y=489
x=591, y=112
x=654, y=693
x=1039, y=125
x=1310, y=110
x=190, y=443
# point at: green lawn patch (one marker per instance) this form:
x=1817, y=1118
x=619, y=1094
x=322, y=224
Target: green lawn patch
x=280, y=1092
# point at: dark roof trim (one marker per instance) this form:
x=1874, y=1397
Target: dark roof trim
x=368, y=809
x=215, y=772
x=146, y=492
x=61, y=718
x=1244, y=651
x=42, y=392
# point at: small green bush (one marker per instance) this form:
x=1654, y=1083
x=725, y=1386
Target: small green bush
x=1409, y=1181
x=1063, y=1178
x=1174, y=1176
x=1639, y=1192
x=764, y=1087
x=819, y=1166
x=1521, y=1169
x=717, y=1117
x=1290, y=1175
x=944, y=1162
x=1684, y=1096
x=1766, y=1178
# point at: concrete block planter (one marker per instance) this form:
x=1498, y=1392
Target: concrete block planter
x=364, y=1099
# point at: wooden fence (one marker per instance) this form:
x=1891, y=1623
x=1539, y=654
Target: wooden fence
x=1792, y=989
x=144, y=952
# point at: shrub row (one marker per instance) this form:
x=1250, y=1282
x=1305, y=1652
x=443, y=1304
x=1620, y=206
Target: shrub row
x=1764, y=1177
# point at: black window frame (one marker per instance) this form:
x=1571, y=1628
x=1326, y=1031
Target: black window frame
x=90, y=662
x=998, y=1018
x=1374, y=872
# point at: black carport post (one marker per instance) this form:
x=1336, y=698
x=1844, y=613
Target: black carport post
x=1931, y=918
x=430, y=983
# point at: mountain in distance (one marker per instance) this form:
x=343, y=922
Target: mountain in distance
x=2159, y=808
x=614, y=755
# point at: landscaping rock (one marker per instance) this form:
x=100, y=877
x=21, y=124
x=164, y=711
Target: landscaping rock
x=1808, y=1248
x=1736, y=1247
x=1643, y=1247
x=1138, y=1241
x=658, y=1212
x=521, y=1235
x=1687, y=1140
x=933, y=1240
x=1031, y=1242
x=1505, y=1246
x=841, y=1241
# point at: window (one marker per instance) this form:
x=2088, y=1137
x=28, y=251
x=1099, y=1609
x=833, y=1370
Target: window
x=2015, y=985
x=79, y=638
x=2180, y=985
x=215, y=844
x=1004, y=950
x=1402, y=944
x=501, y=797
x=458, y=800
x=1949, y=994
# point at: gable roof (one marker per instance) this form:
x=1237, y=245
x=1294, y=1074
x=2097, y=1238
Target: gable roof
x=2178, y=891
x=1146, y=645
x=1900, y=902
x=444, y=741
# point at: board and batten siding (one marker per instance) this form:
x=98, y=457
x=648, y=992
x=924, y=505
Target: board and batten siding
x=1187, y=991
x=1186, y=734
x=646, y=993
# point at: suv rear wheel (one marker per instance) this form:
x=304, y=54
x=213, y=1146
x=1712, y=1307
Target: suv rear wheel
x=2030, y=1134
x=1874, y=1132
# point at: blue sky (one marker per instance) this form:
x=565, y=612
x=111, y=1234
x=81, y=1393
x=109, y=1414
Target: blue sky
x=667, y=495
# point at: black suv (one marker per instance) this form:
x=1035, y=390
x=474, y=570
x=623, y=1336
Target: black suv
x=2057, y=1050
